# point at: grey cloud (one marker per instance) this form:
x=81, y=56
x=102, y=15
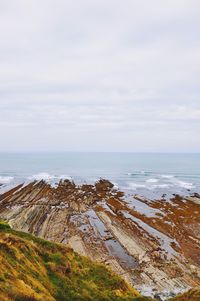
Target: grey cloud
x=103, y=74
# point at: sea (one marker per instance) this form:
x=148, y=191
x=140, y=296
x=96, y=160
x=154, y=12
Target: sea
x=151, y=175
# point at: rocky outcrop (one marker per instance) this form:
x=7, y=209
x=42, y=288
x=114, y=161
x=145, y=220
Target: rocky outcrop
x=192, y=295
x=153, y=244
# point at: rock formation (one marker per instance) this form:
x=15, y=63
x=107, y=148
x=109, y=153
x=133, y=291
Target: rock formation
x=153, y=244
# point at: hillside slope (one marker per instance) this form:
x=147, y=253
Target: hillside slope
x=34, y=269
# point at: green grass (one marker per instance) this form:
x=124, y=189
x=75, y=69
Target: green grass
x=33, y=269
x=4, y=226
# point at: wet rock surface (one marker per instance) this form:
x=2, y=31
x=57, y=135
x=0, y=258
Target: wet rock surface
x=153, y=244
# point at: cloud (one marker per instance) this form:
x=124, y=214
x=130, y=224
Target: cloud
x=104, y=75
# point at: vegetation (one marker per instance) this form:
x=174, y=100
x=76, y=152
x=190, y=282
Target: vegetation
x=32, y=269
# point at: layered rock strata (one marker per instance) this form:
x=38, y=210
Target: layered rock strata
x=153, y=244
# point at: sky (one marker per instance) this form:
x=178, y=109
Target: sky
x=103, y=75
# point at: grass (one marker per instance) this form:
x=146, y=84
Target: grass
x=33, y=269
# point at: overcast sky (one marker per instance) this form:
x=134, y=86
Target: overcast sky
x=100, y=75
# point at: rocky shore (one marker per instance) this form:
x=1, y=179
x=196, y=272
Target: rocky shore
x=153, y=244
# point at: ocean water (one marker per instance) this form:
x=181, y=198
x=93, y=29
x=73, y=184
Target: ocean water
x=148, y=174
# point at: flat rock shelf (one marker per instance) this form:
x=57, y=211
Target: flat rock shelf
x=153, y=244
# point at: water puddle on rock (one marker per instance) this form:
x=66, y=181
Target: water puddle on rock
x=113, y=246
x=116, y=250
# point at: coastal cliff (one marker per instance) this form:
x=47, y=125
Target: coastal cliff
x=153, y=245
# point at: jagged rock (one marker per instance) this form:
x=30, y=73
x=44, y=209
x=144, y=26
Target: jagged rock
x=103, y=185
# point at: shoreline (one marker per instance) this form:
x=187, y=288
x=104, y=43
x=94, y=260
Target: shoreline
x=151, y=188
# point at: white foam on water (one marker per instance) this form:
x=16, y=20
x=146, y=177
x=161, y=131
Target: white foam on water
x=64, y=177
x=42, y=176
x=152, y=180
x=186, y=185
x=161, y=186
x=134, y=186
x=167, y=176
x=5, y=180
x=116, y=186
x=138, y=173
x=48, y=177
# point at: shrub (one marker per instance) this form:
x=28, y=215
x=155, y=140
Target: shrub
x=4, y=226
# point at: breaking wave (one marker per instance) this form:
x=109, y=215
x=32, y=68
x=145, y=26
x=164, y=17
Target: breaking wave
x=152, y=180
x=167, y=176
x=134, y=186
x=185, y=185
x=48, y=177
x=162, y=186
x=5, y=180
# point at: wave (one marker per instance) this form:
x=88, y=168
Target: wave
x=152, y=180
x=42, y=176
x=167, y=176
x=48, y=177
x=162, y=186
x=64, y=177
x=140, y=173
x=181, y=184
x=116, y=186
x=5, y=180
x=134, y=186
x=186, y=185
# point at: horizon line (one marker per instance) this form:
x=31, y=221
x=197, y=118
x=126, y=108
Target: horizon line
x=99, y=152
